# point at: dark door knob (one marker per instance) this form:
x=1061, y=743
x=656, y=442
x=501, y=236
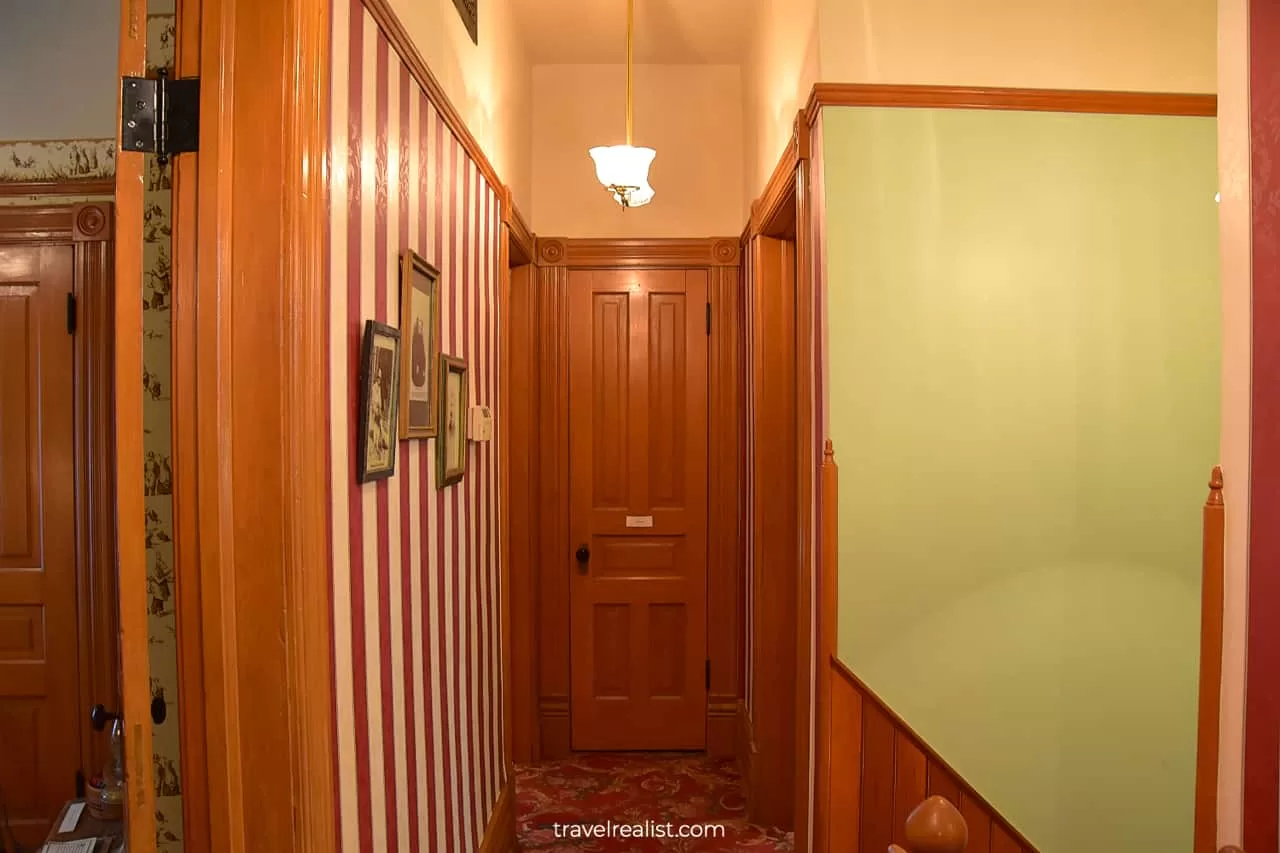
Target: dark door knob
x=583, y=554
x=99, y=716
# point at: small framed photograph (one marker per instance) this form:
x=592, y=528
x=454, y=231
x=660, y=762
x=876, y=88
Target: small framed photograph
x=420, y=324
x=379, y=399
x=451, y=444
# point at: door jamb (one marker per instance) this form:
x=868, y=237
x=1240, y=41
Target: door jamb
x=251, y=363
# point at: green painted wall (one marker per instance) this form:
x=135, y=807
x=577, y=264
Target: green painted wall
x=1023, y=343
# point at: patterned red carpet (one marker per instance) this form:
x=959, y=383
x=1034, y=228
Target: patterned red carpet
x=637, y=803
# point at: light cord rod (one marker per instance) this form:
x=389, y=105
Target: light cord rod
x=631, y=11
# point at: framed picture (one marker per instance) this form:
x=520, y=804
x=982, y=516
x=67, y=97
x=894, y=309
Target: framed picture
x=451, y=444
x=379, y=397
x=470, y=17
x=420, y=324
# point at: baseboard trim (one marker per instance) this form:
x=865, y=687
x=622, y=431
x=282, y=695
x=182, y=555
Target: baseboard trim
x=500, y=834
x=745, y=747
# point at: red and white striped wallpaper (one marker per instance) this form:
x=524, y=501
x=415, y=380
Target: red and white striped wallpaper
x=417, y=708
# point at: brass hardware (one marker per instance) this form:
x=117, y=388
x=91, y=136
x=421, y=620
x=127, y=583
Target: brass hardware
x=631, y=14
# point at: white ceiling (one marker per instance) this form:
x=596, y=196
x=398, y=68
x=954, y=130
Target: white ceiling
x=667, y=31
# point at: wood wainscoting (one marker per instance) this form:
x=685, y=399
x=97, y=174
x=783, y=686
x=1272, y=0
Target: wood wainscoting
x=872, y=770
x=541, y=555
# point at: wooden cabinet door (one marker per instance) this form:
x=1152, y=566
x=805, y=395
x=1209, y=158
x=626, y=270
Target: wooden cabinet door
x=638, y=508
x=40, y=719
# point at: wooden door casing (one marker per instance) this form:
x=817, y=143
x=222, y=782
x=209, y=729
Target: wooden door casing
x=39, y=657
x=638, y=501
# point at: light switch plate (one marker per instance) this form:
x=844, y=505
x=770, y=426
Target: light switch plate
x=480, y=424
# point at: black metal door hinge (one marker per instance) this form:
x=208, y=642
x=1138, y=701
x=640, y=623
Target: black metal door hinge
x=71, y=313
x=708, y=318
x=160, y=116
x=708, y=673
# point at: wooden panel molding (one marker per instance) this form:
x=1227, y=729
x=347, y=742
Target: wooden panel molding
x=251, y=347
x=773, y=516
x=522, y=500
x=871, y=768
x=52, y=223
x=675, y=252
x=775, y=212
x=551, y=519
x=1211, y=615
x=725, y=557
x=70, y=187
x=885, y=770
x=403, y=44
x=520, y=238
x=135, y=664
x=980, y=98
x=94, y=345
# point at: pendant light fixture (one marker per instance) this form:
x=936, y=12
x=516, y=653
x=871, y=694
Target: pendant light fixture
x=624, y=169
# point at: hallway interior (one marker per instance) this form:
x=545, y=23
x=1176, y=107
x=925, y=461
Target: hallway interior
x=679, y=789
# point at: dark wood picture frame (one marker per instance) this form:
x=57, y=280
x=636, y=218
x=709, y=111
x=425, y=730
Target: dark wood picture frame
x=451, y=443
x=469, y=11
x=379, y=365
x=420, y=346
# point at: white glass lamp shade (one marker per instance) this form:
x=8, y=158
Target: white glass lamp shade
x=624, y=170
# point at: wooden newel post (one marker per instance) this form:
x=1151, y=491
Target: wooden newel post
x=935, y=826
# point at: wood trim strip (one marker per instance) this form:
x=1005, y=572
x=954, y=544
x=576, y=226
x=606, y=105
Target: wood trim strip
x=96, y=479
x=520, y=238
x=593, y=252
x=389, y=22
x=826, y=593
x=551, y=413
x=75, y=187
x=53, y=223
x=500, y=834
x=876, y=706
x=188, y=595
x=135, y=652
x=987, y=98
x=1211, y=616
x=774, y=212
x=807, y=461
x=308, y=592
x=522, y=508
x=724, y=483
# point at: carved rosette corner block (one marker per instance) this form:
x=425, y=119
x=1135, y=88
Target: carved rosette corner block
x=91, y=222
x=725, y=252
x=550, y=251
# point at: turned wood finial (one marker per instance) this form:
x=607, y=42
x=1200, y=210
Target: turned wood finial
x=935, y=826
x=828, y=451
x=1215, y=499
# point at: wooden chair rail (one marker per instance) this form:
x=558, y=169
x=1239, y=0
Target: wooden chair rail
x=935, y=826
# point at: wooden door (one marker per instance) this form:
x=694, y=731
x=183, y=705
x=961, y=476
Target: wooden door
x=40, y=717
x=638, y=508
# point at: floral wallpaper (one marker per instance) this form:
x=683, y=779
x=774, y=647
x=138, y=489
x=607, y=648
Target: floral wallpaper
x=157, y=467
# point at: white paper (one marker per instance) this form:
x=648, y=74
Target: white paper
x=84, y=845
x=72, y=818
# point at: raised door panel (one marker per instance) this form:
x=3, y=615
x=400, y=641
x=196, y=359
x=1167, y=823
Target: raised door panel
x=40, y=721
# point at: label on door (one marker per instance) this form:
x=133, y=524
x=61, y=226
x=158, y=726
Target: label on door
x=639, y=521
